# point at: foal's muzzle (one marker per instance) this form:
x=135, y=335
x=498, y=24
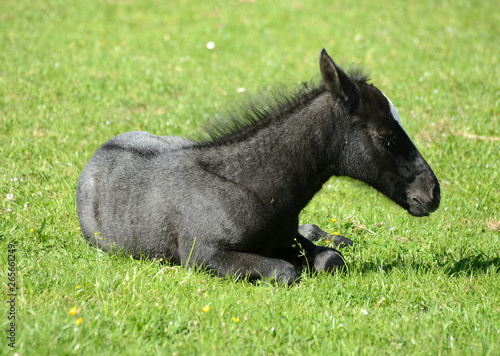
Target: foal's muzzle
x=423, y=195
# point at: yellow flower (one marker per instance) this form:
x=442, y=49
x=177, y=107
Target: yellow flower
x=77, y=287
x=327, y=241
x=335, y=233
x=206, y=308
x=32, y=230
x=236, y=319
x=73, y=311
x=79, y=321
x=334, y=221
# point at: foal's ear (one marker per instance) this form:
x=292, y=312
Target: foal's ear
x=336, y=81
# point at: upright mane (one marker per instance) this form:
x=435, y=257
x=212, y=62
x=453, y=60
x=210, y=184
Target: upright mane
x=259, y=111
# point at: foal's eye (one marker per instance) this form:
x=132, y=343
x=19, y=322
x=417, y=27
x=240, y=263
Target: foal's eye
x=388, y=138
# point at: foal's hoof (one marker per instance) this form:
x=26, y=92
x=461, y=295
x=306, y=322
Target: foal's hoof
x=341, y=241
x=329, y=260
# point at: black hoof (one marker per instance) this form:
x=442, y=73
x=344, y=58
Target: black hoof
x=341, y=241
x=329, y=260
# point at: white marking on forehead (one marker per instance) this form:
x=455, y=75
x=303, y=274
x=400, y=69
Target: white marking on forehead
x=394, y=112
x=395, y=115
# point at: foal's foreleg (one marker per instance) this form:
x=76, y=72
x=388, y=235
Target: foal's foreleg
x=251, y=266
x=317, y=257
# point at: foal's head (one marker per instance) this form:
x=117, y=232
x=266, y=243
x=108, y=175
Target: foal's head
x=375, y=148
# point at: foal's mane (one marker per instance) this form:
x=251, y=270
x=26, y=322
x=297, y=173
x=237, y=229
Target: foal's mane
x=260, y=111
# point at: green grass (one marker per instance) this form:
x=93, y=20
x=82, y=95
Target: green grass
x=75, y=73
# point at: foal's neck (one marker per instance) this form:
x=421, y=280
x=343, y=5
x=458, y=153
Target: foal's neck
x=284, y=163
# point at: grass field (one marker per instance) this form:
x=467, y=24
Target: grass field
x=75, y=73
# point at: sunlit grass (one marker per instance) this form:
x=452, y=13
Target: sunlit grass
x=74, y=74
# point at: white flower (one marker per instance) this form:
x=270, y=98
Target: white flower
x=364, y=311
x=241, y=90
x=10, y=196
x=210, y=45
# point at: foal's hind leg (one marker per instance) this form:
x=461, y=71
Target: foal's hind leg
x=251, y=266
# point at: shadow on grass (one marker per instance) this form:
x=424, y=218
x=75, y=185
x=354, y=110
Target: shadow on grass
x=472, y=263
x=478, y=264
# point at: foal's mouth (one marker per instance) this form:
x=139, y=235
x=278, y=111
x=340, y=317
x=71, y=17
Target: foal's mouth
x=420, y=207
